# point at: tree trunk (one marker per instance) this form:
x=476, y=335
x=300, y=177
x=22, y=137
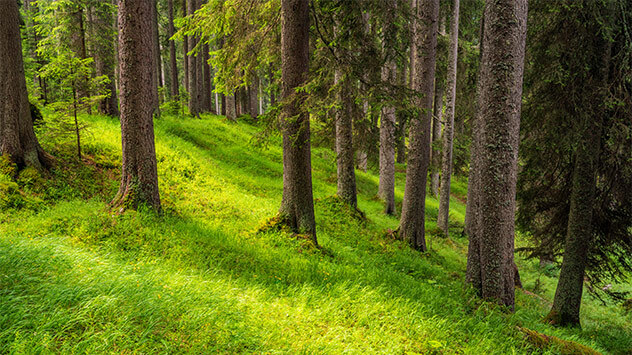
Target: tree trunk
x=231, y=107
x=175, y=84
x=17, y=139
x=297, y=205
x=194, y=107
x=223, y=101
x=206, y=92
x=156, y=52
x=78, y=44
x=436, y=138
x=254, y=97
x=448, y=131
x=501, y=94
x=412, y=223
x=344, y=141
x=185, y=50
x=105, y=59
x=139, y=177
x=579, y=234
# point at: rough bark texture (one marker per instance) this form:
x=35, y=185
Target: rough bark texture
x=230, y=109
x=185, y=50
x=194, y=106
x=501, y=93
x=448, y=130
x=297, y=205
x=175, y=84
x=139, y=177
x=17, y=139
x=436, y=138
x=344, y=142
x=386, y=188
x=104, y=59
x=412, y=223
x=579, y=235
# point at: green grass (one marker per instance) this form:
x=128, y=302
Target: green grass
x=77, y=278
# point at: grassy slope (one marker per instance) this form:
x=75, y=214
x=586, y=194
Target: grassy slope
x=76, y=278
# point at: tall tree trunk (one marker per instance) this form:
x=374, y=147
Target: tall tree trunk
x=344, y=141
x=223, y=101
x=139, y=177
x=194, y=106
x=157, y=80
x=17, y=139
x=412, y=223
x=436, y=138
x=448, y=131
x=78, y=44
x=175, y=84
x=297, y=205
x=105, y=58
x=231, y=107
x=185, y=50
x=199, y=72
x=579, y=234
x=501, y=94
x=253, y=96
x=206, y=92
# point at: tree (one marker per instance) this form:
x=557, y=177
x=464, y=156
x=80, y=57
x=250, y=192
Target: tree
x=175, y=83
x=448, y=131
x=490, y=253
x=17, y=138
x=386, y=187
x=297, y=206
x=103, y=35
x=194, y=104
x=139, y=176
x=412, y=221
x=575, y=187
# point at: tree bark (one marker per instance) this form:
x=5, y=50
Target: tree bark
x=175, y=84
x=231, y=107
x=344, y=141
x=254, y=97
x=206, y=87
x=412, y=223
x=17, y=139
x=502, y=68
x=139, y=177
x=105, y=59
x=194, y=106
x=297, y=205
x=579, y=235
x=448, y=130
x=436, y=138
x=185, y=50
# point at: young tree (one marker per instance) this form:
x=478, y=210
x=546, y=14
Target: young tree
x=139, y=177
x=17, y=139
x=492, y=241
x=448, y=131
x=412, y=221
x=297, y=205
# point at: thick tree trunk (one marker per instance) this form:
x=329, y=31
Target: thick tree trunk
x=231, y=107
x=501, y=94
x=139, y=177
x=448, y=131
x=344, y=141
x=17, y=139
x=412, y=223
x=436, y=138
x=194, y=107
x=297, y=205
x=175, y=83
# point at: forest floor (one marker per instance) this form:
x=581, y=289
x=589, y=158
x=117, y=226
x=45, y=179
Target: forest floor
x=214, y=274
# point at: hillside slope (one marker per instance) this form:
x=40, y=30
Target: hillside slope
x=77, y=278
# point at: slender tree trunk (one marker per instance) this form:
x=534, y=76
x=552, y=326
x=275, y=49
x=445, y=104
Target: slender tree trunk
x=231, y=107
x=297, y=205
x=344, y=141
x=175, y=83
x=254, y=97
x=139, y=177
x=185, y=50
x=412, y=223
x=501, y=94
x=194, y=107
x=223, y=108
x=199, y=72
x=157, y=82
x=386, y=189
x=579, y=234
x=448, y=131
x=17, y=139
x=105, y=59
x=436, y=138
x=206, y=92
